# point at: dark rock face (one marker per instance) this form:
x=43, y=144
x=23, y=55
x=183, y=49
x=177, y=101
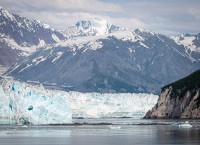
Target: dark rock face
x=8, y=56
x=179, y=100
x=143, y=63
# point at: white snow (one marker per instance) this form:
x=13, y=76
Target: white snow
x=8, y=15
x=145, y=31
x=101, y=26
x=58, y=55
x=92, y=27
x=55, y=38
x=21, y=102
x=94, y=42
x=143, y=45
x=41, y=43
x=130, y=50
x=27, y=66
x=187, y=42
x=38, y=60
x=3, y=69
x=75, y=43
x=46, y=26
x=125, y=35
x=11, y=43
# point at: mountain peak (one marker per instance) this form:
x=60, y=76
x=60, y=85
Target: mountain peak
x=143, y=31
x=92, y=27
x=6, y=14
x=83, y=24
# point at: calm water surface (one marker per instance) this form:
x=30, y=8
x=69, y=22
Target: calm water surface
x=123, y=132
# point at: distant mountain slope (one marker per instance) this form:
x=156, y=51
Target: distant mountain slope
x=26, y=32
x=97, y=57
x=191, y=44
x=20, y=36
x=122, y=61
x=180, y=99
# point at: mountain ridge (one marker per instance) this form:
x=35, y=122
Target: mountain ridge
x=20, y=36
x=92, y=27
x=118, y=60
x=122, y=61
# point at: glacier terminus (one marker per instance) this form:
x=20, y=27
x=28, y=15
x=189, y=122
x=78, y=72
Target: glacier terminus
x=23, y=103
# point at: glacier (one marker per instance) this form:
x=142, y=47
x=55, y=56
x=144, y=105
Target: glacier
x=25, y=103
x=22, y=103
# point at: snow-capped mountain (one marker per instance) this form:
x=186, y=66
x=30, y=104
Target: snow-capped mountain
x=27, y=32
x=191, y=44
x=93, y=27
x=97, y=57
x=122, y=61
x=20, y=36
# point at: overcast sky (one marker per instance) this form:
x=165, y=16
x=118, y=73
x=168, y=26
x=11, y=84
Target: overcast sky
x=162, y=16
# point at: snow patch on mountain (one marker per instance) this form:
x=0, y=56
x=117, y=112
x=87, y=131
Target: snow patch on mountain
x=58, y=55
x=37, y=61
x=26, y=32
x=187, y=41
x=26, y=50
x=94, y=43
x=95, y=27
x=55, y=38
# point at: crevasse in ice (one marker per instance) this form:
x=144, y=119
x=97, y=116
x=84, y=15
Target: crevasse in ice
x=23, y=103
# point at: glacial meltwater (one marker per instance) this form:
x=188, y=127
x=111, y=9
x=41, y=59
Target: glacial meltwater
x=113, y=131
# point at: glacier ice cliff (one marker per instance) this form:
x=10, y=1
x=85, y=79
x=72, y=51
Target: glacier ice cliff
x=23, y=103
x=96, y=105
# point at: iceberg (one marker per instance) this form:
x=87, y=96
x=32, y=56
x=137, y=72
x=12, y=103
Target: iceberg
x=24, y=103
x=185, y=125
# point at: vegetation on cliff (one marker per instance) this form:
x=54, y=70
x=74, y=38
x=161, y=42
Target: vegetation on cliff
x=190, y=83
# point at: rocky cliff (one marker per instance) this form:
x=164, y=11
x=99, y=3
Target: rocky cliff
x=180, y=99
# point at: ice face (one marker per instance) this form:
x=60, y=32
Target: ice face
x=95, y=105
x=22, y=103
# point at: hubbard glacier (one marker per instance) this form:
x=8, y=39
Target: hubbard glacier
x=24, y=103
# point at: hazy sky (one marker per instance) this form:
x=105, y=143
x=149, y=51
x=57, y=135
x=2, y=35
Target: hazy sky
x=163, y=16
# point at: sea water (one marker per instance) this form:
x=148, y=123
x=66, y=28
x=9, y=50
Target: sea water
x=106, y=131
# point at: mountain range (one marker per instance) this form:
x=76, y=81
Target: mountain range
x=20, y=36
x=96, y=56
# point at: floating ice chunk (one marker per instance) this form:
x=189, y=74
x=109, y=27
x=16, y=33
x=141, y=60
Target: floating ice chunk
x=185, y=125
x=114, y=127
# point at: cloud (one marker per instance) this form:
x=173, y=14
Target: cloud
x=61, y=20
x=181, y=16
x=195, y=12
x=61, y=5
